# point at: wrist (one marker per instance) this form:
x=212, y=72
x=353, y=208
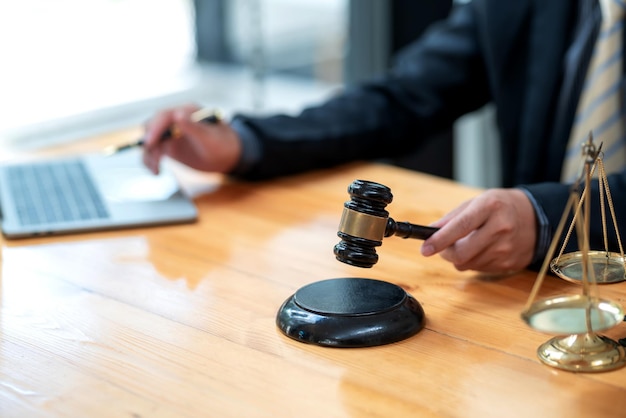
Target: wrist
x=542, y=229
x=249, y=147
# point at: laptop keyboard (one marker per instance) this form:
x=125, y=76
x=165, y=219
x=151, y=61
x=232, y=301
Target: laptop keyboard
x=60, y=191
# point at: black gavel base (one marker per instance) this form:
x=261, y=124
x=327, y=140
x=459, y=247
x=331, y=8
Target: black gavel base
x=350, y=312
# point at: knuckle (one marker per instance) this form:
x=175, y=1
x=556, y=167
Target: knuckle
x=455, y=256
x=461, y=267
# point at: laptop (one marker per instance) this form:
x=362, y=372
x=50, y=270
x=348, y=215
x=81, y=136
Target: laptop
x=88, y=192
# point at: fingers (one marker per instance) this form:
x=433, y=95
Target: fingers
x=204, y=146
x=450, y=215
x=454, y=226
x=164, y=121
x=486, y=250
x=155, y=131
x=493, y=232
x=192, y=145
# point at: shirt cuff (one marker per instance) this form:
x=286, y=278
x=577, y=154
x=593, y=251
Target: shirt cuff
x=543, y=229
x=250, y=147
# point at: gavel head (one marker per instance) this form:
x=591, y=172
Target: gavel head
x=363, y=223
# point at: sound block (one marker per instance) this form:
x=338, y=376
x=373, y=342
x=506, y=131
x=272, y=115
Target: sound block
x=350, y=312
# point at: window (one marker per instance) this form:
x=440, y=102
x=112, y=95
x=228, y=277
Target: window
x=71, y=68
x=66, y=58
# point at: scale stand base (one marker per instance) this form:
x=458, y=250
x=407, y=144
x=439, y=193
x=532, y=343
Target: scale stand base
x=582, y=353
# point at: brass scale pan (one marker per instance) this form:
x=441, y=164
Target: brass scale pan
x=608, y=267
x=579, y=314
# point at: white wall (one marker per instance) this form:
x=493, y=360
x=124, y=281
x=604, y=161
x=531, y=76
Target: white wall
x=477, y=149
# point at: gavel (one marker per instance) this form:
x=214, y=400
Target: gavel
x=365, y=222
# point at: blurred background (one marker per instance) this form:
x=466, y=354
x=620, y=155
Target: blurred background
x=74, y=68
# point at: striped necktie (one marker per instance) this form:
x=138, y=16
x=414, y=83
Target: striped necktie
x=600, y=107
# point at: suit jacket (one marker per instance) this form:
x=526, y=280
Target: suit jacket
x=510, y=53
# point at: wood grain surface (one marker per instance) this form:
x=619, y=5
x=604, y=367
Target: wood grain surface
x=179, y=321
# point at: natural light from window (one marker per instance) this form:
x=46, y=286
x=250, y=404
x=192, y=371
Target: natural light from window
x=112, y=63
x=65, y=57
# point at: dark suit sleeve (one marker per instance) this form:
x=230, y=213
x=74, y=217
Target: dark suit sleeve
x=553, y=197
x=435, y=81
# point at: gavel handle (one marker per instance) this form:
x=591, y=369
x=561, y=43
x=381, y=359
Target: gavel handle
x=408, y=230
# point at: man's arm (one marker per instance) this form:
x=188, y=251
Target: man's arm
x=437, y=79
x=552, y=199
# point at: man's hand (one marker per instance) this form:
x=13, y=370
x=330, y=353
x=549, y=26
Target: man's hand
x=206, y=147
x=493, y=232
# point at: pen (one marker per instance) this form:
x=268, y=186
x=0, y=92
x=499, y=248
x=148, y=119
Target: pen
x=202, y=115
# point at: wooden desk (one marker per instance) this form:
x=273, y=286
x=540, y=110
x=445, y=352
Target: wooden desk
x=179, y=320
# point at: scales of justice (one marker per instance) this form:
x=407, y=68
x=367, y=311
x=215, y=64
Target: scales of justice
x=576, y=320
